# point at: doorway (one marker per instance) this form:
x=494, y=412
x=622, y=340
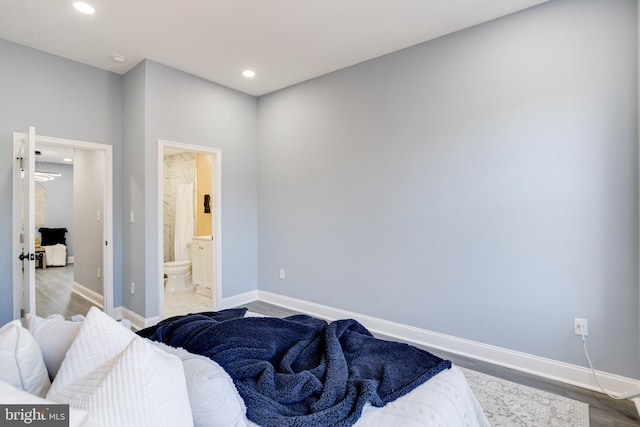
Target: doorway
x=189, y=225
x=81, y=267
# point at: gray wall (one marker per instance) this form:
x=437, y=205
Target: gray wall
x=179, y=107
x=133, y=191
x=64, y=99
x=59, y=200
x=483, y=185
x=88, y=194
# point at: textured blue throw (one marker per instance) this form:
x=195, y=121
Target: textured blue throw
x=301, y=371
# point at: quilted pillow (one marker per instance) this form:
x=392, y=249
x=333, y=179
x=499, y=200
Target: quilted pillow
x=120, y=378
x=21, y=360
x=54, y=335
x=214, y=399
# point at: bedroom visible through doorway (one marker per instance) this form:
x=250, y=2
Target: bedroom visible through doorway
x=72, y=236
x=69, y=205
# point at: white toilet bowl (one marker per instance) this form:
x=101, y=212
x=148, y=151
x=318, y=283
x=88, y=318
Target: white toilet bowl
x=178, y=276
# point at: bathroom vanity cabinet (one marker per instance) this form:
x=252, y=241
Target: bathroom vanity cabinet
x=203, y=265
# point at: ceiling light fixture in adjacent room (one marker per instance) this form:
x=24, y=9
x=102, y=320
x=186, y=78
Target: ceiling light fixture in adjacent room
x=84, y=7
x=249, y=74
x=42, y=174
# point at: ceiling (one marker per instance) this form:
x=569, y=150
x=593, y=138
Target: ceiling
x=283, y=41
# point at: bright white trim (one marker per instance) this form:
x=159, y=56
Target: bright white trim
x=237, y=300
x=90, y=295
x=637, y=400
x=107, y=257
x=217, y=157
x=17, y=227
x=24, y=299
x=540, y=366
x=160, y=230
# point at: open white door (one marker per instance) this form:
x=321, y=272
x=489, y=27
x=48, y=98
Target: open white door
x=24, y=221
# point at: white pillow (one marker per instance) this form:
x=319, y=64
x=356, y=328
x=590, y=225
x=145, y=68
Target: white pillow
x=9, y=395
x=54, y=336
x=21, y=360
x=214, y=399
x=120, y=378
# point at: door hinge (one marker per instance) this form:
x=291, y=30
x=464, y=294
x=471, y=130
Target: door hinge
x=21, y=313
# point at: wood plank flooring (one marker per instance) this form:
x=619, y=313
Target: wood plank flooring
x=53, y=293
x=603, y=411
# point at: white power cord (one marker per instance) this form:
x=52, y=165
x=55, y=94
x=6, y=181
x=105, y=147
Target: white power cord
x=627, y=395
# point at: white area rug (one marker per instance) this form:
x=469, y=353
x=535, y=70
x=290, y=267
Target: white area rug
x=506, y=403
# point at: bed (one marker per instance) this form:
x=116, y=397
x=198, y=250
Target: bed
x=121, y=378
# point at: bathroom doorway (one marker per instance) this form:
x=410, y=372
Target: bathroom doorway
x=189, y=187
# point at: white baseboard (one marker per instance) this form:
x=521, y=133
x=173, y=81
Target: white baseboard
x=237, y=300
x=548, y=368
x=92, y=296
x=116, y=313
x=137, y=322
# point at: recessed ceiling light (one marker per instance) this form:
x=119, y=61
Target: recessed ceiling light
x=84, y=7
x=120, y=59
x=249, y=73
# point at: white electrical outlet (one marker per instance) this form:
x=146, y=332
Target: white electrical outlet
x=281, y=274
x=133, y=288
x=580, y=326
x=132, y=217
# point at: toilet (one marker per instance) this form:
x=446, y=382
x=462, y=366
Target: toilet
x=178, y=275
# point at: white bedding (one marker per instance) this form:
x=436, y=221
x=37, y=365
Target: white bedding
x=444, y=400
x=56, y=255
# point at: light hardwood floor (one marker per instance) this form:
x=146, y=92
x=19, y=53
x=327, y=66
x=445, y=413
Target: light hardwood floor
x=53, y=293
x=54, y=296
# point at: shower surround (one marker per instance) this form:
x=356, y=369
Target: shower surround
x=178, y=169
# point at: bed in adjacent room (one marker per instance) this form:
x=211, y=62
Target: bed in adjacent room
x=54, y=243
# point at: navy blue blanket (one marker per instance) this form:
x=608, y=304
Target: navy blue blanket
x=301, y=371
